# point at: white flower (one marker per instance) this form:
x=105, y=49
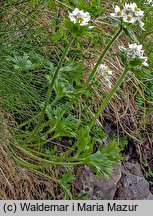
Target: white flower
x=118, y=12
x=129, y=18
x=80, y=17
x=129, y=14
x=104, y=70
x=135, y=51
x=106, y=73
x=133, y=12
x=129, y=7
x=138, y=12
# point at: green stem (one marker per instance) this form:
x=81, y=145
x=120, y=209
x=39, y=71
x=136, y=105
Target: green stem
x=43, y=142
x=50, y=90
x=102, y=56
x=50, y=156
x=40, y=128
x=107, y=99
x=44, y=161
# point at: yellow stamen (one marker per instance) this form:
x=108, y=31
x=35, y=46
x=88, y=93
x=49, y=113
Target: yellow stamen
x=104, y=74
x=136, y=9
x=119, y=13
x=129, y=18
x=79, y=20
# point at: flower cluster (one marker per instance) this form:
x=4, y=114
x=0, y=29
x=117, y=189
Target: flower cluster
x=129, y=14
x=80, y=17
x=135, y=51
x=106, y=73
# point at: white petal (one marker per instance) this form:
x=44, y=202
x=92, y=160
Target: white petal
x=110, y=72
x=141, y=25
x=133, y=5
x=78, y=16
x=139, y=47
x=129, y=19
x=113, y=14
x=76, y=11
x=117, y=9
x=145, y=64
x=133, y=46
x=91, y=27
x=127, y=7
x=83, y=24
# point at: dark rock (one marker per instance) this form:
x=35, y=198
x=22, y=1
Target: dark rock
x=133, y=168
x=133, y=186
x=97, y=188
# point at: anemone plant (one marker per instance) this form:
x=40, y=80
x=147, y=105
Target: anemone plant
x=39, y=136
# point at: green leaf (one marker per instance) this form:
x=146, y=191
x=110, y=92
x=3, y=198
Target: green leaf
x=22, y=62
x=123, y=57
x=61, y=123
x=75, y=28
x=67, y=80
x=103, y=160
x=72, y=72
x=129, y=33
x=112, y=151
x=100, y=164
x=135, y=62
x=63, y=88
x=83, y=141
x=41, y=61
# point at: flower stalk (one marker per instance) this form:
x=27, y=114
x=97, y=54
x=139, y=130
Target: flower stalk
x=102, y=56
x=107, y=99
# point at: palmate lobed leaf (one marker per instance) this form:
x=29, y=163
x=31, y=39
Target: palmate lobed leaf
x=63, y=124
x=67, y=81
x=41, y=61
x=22, y=62
x=63, y=88
x=72, y=72
x=103, y=160
x=100, y=164
x=63, y=130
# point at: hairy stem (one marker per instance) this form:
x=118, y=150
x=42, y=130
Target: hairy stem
x=102, y=56
x=107, y=99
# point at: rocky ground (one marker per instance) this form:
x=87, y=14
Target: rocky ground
x=129, y=181
x=126, y=183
